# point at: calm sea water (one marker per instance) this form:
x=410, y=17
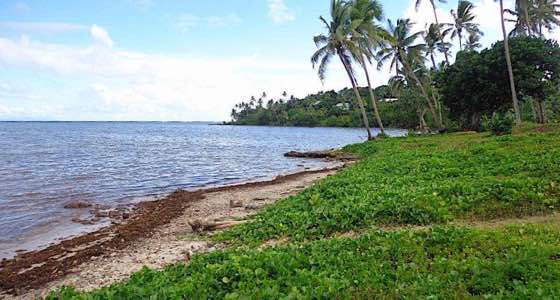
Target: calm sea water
x=47, y=164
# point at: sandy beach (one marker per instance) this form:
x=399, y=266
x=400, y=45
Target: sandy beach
x=157, y=234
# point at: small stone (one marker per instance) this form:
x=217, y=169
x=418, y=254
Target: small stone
x=252, y=206
x=77, y=205
x=235, y=203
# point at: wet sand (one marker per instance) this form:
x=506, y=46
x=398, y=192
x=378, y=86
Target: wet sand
x=156, y=235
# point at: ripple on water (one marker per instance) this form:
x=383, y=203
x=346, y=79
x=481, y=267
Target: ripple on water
x=47, y=164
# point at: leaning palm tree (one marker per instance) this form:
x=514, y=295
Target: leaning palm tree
x=434, y=9
x=463, y=22
x=403, y=50
x=368, y=35
x=337, y=42
x=509, y=67
x=434, y=43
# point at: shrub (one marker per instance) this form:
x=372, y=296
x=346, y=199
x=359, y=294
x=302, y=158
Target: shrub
x=499, y=124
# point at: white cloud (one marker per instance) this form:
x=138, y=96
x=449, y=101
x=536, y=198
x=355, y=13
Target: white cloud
x=187, y=21
x=109, y=84
x=99, y=34
x=42, y=27
x=279, y=11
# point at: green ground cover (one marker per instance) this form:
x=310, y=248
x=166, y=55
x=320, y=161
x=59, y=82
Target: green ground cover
x=419, y=181
x=406, y=181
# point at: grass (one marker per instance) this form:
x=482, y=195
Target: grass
x=419, y=181
x=406, y=181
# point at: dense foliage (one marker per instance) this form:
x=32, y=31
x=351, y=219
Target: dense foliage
x=402, y=181
x=477, y=83
x=500, y=124
x=324, y=109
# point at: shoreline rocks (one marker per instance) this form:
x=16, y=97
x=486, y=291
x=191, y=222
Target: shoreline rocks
x=77, y=205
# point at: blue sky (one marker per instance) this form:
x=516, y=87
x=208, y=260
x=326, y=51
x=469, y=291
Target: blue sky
x=168, y=60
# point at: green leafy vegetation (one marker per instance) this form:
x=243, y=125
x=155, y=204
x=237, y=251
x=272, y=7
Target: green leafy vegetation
x=324, y=109
x=344, y=237
x=420, y=180
x=476, y=84
x=500, y=124
x=438, y=263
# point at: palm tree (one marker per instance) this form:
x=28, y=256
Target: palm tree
x=473, y=42
x=337, y=42
x=402, y=49
x=368, y=35
x=545, y=13
x=523, y=22
x=509, y=67
x=463, y=22
x=434, y=9
x=434, y=43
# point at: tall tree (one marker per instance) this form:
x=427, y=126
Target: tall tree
x=434, y=9
x=368, y=35
x=545, y=14
x=434, y=43
x=509, y=67
x=403, y=49
x=337, y=43
x=463, y=22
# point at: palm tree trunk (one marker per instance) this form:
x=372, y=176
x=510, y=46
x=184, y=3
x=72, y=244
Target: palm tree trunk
x=439, y=31
x=527, y=21
x=510, y=68
x=460, y=41
x=433, y=61
x=360, y=102
x=373, y=101
x=410, y=72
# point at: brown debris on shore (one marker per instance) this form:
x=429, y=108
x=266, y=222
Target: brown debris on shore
x=30, y=271
x=33, y=269
x=326, y=154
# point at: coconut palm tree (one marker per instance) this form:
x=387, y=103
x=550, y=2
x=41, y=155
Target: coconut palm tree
x=473, y=42
x=463, y=22
x=523, y=22
x=509, y=67
x=338, y=42
x=545, y=13
x=368, y=35
x=434, y=43
x=434, y=9
x=403, y=50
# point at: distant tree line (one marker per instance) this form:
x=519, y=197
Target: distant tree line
x=324, y=109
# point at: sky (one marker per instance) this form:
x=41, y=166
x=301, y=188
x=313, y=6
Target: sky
x=166, y=60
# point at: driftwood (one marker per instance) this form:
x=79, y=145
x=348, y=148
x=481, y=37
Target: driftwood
x=204, y=225
x=312, y=154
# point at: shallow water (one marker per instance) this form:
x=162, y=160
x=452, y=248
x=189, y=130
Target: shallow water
x=47, y=164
